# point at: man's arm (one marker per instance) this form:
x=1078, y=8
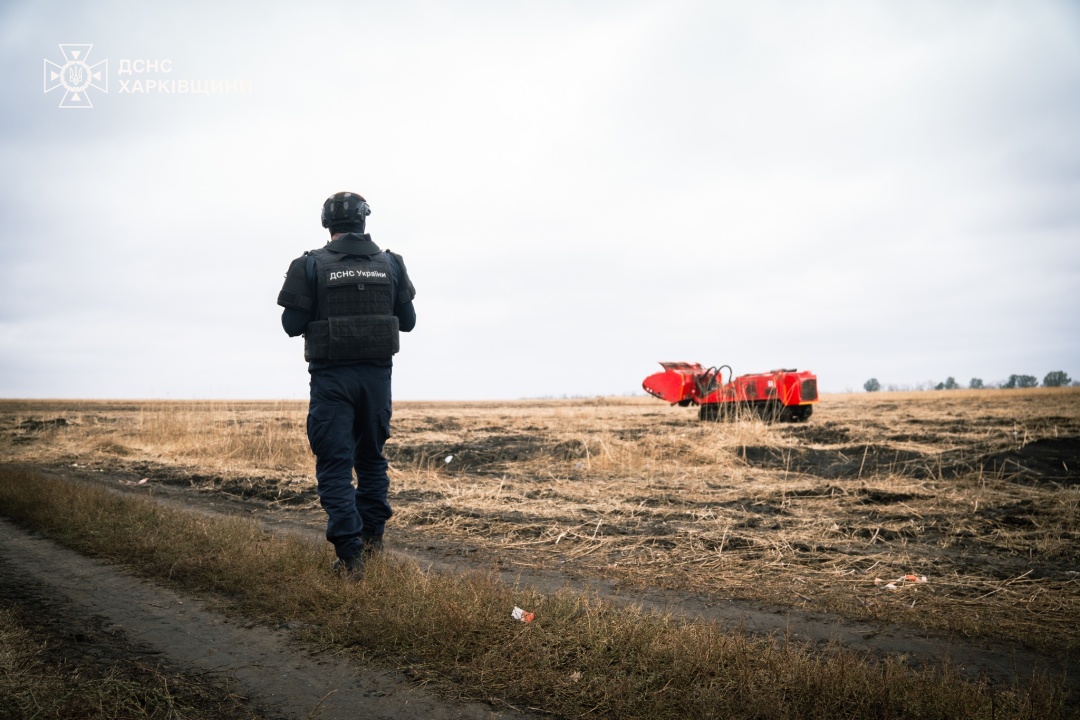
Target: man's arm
x=406, y=315
x=294, y=321
x=403, y=307
x=296, y=298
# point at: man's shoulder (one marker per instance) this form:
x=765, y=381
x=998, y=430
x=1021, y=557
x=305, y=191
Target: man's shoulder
x=302, y=257
x=395, y=258
x=406, y=289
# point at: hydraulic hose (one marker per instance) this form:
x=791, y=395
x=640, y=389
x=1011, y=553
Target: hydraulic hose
x=706, y=381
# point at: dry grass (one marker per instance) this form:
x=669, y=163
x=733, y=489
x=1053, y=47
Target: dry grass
x=879, y=485
x=215, y=435
x=581, y=657
x=805, y=515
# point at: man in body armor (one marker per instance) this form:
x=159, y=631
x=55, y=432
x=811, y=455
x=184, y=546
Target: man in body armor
x=350, y=300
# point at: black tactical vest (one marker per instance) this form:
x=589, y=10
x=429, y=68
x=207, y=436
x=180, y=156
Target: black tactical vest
x=355, y=308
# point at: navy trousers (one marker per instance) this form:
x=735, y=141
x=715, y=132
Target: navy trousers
x=348, y=423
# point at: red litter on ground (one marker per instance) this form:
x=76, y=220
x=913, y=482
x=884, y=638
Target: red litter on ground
x=522, y=615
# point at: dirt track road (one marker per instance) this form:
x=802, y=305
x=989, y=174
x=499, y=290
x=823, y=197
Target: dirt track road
x=280, y=678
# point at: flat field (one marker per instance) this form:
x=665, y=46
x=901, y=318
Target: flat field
x=978, y=492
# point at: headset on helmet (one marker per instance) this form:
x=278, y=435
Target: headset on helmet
x=345, y=209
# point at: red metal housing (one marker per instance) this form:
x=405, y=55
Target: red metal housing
x=786, y=395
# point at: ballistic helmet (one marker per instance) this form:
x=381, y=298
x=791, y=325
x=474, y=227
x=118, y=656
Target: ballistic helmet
x=345, y=212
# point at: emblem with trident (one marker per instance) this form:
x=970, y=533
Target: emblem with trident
x=76, y=76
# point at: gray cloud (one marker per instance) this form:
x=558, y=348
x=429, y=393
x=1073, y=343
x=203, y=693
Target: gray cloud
x=858, y=188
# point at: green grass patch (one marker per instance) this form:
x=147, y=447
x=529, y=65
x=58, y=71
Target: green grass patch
x=581, y=656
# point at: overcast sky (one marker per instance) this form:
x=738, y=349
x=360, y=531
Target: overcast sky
x=579, y=189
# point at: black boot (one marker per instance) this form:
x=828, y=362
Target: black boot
x=372, y=544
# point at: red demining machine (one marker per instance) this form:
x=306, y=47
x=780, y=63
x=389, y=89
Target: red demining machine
x=784, y=395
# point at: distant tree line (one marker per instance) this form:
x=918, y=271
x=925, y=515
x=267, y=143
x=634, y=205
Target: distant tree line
x=1056, y=378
